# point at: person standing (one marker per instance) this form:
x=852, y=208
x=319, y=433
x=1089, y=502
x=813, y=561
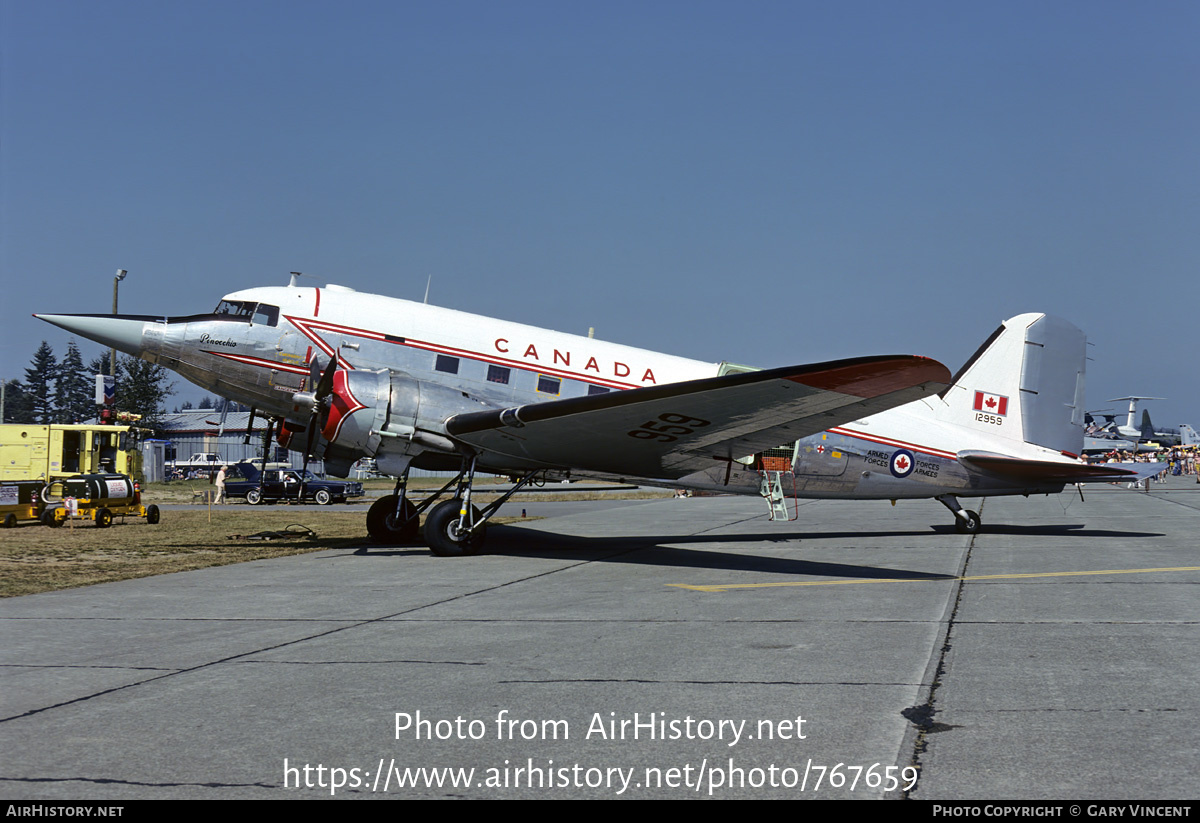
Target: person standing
x=220, y=483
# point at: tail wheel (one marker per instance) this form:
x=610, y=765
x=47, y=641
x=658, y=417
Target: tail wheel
x=153, y=515
x=103, y=518
x=385, y=525
x=442, y=533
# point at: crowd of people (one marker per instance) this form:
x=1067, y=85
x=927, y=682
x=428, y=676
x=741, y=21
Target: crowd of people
x=1180, y=461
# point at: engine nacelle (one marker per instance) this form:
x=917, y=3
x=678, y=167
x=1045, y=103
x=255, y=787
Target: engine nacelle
x=358, y=408
x=424, y=406
x=390, y=416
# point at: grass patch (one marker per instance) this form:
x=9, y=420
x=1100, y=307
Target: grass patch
x=34, y=558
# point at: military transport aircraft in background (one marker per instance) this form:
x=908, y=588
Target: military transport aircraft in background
x=1147, y=430
x=1111, y=436
x=347, y=375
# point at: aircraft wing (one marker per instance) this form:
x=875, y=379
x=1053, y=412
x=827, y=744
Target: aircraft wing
x=672, y=430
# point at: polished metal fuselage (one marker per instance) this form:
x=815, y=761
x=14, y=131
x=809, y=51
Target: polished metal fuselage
x=398, y=357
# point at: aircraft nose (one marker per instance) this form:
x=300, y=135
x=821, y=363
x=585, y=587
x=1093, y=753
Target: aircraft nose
x=111, y=330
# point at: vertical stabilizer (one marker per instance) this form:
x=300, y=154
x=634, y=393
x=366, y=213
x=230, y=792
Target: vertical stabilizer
x=1188, y=436
x=1025, y=384
x=1147, y=427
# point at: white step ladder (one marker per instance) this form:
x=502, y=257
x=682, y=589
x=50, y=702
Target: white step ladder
x=771, y=488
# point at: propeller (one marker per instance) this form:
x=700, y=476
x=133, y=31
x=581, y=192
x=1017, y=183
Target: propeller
x=322, y=403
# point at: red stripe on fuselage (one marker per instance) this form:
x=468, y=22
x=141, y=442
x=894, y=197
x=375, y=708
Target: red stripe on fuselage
x=258, y=361
x=308, y=329
x=887, y=441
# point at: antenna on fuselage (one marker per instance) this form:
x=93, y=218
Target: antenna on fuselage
x=427, y=283
x=294, y=281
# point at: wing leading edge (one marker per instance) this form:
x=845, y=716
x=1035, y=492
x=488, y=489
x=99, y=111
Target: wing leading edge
x=675, y=429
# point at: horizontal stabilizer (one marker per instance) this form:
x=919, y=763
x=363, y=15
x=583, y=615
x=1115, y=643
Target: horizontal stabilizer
x=1049, y=471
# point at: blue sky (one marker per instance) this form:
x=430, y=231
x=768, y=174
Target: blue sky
x=766, y=183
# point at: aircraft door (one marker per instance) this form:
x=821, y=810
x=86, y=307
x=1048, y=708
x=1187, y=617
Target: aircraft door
x=291, y=348
x=819, y=458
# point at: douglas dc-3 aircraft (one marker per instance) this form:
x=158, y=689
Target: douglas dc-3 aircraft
x=349, y=375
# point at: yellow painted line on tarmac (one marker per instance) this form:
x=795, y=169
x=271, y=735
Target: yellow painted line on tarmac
x=724, y=587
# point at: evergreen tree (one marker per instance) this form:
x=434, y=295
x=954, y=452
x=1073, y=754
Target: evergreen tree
x=18, y=408
x=227, y=406
x=75, y=394
x=39, y=384
x=142, y=388
x=97, y=365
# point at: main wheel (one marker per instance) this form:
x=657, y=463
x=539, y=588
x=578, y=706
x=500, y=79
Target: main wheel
x=323, y=497
x=386, y=526
x=442, y=534
x=153, y=515
x=103, y=518
x=969, y=526
x=254, y=496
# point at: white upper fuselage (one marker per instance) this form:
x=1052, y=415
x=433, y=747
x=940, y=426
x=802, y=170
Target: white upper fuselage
x=388, y=331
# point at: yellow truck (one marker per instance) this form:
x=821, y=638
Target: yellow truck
x=35, y=452
x=20, y=500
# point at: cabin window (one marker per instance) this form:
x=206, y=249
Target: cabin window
x=548, y=385
x=594, y=389
x=498, y=374
x=447, y=364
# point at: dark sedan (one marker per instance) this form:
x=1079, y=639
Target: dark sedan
x=285, y=484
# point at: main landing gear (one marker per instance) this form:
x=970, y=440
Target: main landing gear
x=454, y=527
x=965, y=521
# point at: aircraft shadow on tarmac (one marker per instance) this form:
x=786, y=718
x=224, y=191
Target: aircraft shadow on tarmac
x=1054, y=530
x=664, y=550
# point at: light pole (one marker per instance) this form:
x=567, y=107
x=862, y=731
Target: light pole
x=112, y=355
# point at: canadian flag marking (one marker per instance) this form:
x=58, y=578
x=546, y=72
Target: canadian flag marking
x=991, y=403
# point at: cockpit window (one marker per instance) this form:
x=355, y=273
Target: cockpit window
x=235, y=307
x=261, y=313
x=266, y=315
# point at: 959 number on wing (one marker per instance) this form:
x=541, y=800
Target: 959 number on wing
x=668, y=427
